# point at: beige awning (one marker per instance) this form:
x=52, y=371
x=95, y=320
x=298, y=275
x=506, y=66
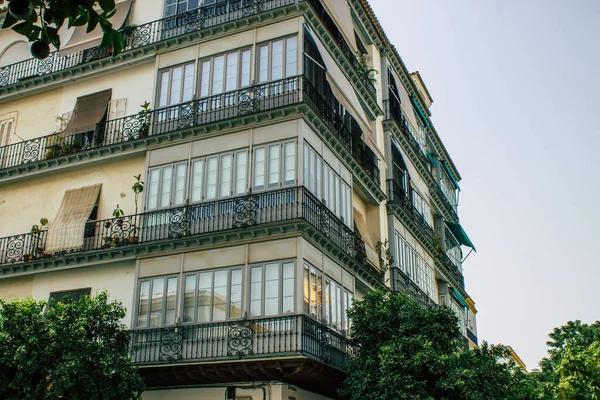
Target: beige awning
x=340, y=11
x=66, y=231
x=406, y=104
x=361, y=225
x=81, y=39
x=340, y=85
x=89, y=110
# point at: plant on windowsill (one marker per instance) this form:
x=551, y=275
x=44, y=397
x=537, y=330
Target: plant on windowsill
x=118, y=214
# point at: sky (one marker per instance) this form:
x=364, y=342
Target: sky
x=516, y=92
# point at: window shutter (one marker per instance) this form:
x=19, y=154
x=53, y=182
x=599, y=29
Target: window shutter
x=116, y=109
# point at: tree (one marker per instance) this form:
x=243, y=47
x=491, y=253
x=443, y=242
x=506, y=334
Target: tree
x=572, y=369
x=40, y=20
x=75, y=350
x=407, y=351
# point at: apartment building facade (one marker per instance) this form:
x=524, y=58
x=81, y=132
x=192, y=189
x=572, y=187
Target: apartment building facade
x=283, y=179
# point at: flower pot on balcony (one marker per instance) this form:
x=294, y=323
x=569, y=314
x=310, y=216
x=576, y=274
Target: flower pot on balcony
x=27, y=257
x=107, y=225
x=116, y=240
x=40, y=250
x=133, y=240
x=120, y=222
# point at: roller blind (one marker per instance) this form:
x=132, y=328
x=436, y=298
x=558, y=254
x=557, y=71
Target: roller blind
x=66, y=232
x=89, y=110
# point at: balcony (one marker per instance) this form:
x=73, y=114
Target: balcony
x=399, y=126
x=451, y=271
x=162, y=30
x=236, y=108
x=268, y=347
x=400, y=204
x=472, y=337
x=403, y=284
x=252, y=216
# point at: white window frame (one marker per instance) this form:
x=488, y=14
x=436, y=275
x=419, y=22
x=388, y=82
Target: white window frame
x=287, y=69
x=265, y=170
x=151, y=281
x=280, y=287
x=173, y=167
x=182, y=88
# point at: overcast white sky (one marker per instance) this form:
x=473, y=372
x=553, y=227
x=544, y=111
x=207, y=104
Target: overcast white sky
x=515, y=86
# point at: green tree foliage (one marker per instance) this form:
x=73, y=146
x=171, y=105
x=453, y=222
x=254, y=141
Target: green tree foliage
x=40, y=20
x=72, y=350
x=572, y=369
x=406, y=351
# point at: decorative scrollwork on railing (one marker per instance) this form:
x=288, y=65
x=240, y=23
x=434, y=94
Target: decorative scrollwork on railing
x=251, y=7
x=4, y=75
x=194, y=21
x=15, y=249
x=249, y=100
x=45, y=66
x=120, y=229
x=91, y=54
x=171, y=344
x=132, y=127
x=179, y=223
x=245, y=211
x=138, y=37
x=186, y=115
x=31, y=150
x=239, y=339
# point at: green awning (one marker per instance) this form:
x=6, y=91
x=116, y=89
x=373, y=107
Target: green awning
x=450, y=174
x=431, y=159
x=459, y=297
x=460, y=234
x=420, y=111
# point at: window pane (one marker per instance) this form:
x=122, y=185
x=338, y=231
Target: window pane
x=180, y=175
x=306, y=290
x=164, y=89
x=211, y=177
x=290, y=163
x=245, y=68
x=235, y=296
x=326, y=172
x=255, y=291
x=288, y=288
x=171, y=301
x=176, y=82
x=205, y=79
x=291, y=57
x=220, y=296
x=259, y=168
x=226, y=171
x=274, y=157
x=241, y=168
x=305, y=164
x=271, y=289
x=327, y=302
x=188, y=83
x=167, y=183
x=313, y=292
x=219, y=71
x=197, y=180
x=142, y=321
x=153, y=189
x=263, y=69
x=188, y=299
x=156, y=304
x=204, y=296
x=232, y=71
x=319, y=163
x=277, y=68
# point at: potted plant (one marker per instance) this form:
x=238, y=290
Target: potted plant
x=118, y=214
x=107, y=224
x=134, y=238
x=138, y=188
x=107, y=241
x=144, y=118
x=35, y=232
x=366, y=73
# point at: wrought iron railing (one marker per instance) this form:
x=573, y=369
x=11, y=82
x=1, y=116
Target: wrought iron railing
x=403, y=284
x=25, y=247
x=450, y=268
x=361, y=69
x=235, y=104
x=437, y=192
x=242, y=339
x=291, y=204
x=142, y=35
x=397, y=195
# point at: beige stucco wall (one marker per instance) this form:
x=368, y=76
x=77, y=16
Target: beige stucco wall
x=117, y=278
x=24, y=202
